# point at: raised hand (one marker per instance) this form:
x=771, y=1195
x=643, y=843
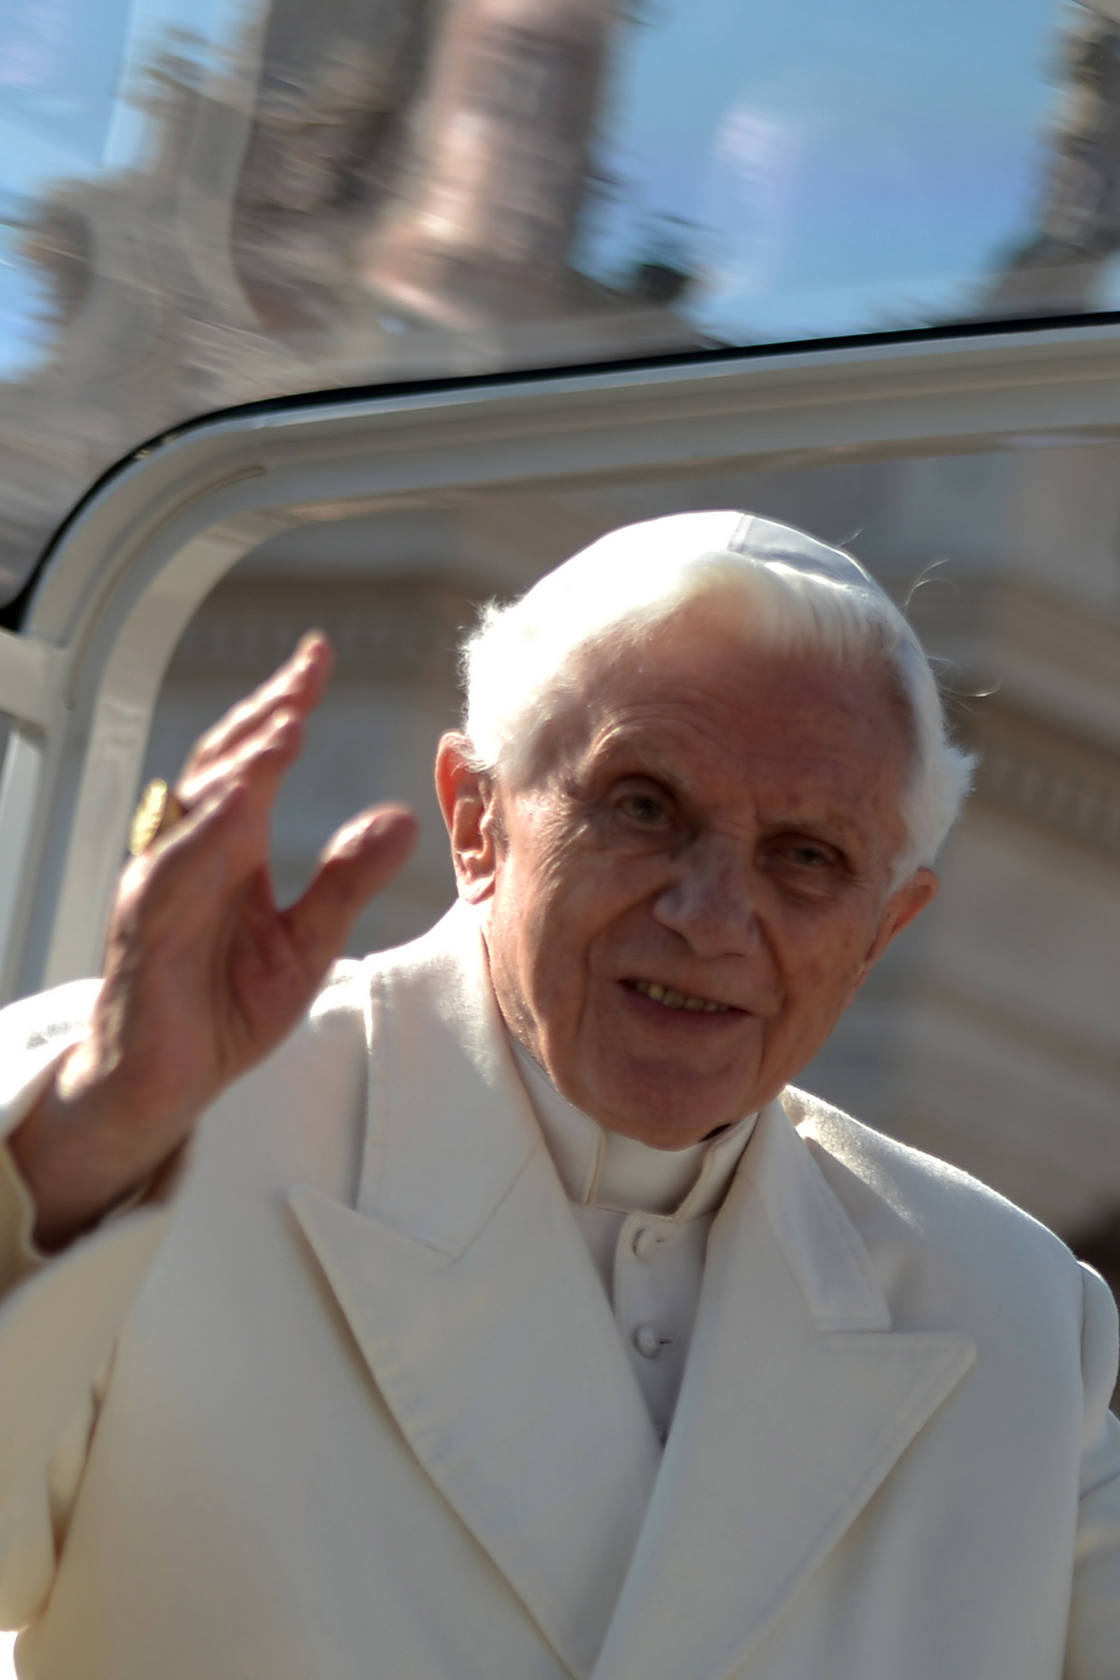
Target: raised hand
x=204, y=975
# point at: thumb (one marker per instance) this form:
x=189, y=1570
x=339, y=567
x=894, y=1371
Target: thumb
x=361, y=858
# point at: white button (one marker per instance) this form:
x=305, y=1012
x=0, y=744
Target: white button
x=644, y=1242
x=647, y=1341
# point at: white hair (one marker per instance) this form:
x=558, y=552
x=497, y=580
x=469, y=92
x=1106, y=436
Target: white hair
x=783, y=588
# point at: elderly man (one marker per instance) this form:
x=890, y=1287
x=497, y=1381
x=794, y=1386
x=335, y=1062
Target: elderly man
x=502, y=1311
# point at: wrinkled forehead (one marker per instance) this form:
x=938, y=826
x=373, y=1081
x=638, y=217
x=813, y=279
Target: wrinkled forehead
x=696, y=673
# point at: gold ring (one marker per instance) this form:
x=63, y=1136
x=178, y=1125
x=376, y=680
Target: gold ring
x=157, y=811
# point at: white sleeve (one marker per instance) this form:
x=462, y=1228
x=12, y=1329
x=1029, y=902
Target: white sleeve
x=59, y=1318
x=1093, y=1650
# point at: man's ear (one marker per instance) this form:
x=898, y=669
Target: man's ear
x=906, y=902
x=467, y=800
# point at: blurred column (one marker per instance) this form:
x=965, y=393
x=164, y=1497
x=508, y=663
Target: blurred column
x=1058, y=268
x=500, y=163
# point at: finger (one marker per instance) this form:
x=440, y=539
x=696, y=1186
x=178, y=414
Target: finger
x=260, y=761
x=189, y=874
x=361, y=859
x=298, y=686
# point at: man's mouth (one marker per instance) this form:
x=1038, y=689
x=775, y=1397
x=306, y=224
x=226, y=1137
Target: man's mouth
x=671, y=999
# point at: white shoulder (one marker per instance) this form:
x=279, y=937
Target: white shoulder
x=947, y=1217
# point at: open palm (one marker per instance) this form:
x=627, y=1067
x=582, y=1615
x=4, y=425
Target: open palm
x=204, y=973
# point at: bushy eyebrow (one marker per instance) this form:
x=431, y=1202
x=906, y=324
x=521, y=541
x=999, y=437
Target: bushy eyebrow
x=831, y=827
x=632, y=755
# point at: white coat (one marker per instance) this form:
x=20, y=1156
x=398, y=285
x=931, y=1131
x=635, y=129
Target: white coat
x=367, y=1415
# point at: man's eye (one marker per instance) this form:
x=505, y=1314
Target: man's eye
x=805, y=854
x=643, y=808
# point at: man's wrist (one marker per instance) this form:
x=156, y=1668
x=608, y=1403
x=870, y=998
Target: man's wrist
x=78, y=1155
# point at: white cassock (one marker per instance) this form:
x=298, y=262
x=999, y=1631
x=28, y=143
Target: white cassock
x=355, y=1403
x=645, y=1215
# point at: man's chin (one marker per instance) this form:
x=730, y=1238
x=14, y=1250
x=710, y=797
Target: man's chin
x=665, y=1120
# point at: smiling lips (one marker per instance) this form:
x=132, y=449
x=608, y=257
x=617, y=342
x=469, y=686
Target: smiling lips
x=670, y=999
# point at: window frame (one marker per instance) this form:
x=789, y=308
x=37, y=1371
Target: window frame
x=80, y=680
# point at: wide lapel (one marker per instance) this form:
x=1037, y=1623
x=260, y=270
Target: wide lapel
x=797, y=1401
x=472, y=1297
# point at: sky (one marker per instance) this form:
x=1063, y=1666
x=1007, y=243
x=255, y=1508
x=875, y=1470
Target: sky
x=842, y=167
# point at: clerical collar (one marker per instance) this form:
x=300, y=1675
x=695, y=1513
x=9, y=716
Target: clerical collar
x=604, y=1169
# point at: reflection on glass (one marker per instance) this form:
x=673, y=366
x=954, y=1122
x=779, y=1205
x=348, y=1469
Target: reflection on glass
x=207, y=202
x=1061, y=264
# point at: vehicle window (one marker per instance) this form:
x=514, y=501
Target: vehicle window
x=1000, y=987
x=210, y=204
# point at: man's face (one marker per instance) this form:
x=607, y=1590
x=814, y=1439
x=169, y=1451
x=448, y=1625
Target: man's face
x=681, y=901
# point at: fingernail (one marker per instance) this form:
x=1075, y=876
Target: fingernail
x=386, y=820
x=351, y=840
x=359, y=834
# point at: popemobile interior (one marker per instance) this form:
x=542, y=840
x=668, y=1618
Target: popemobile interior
x=359, y=315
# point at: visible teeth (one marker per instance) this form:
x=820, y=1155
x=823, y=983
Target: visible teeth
x=671, y=999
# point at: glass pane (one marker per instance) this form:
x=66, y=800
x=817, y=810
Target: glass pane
x=211, y=203
x=987, y=1032
x=814, y=169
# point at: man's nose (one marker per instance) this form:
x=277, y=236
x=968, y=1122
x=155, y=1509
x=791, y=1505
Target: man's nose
x=712, y=901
